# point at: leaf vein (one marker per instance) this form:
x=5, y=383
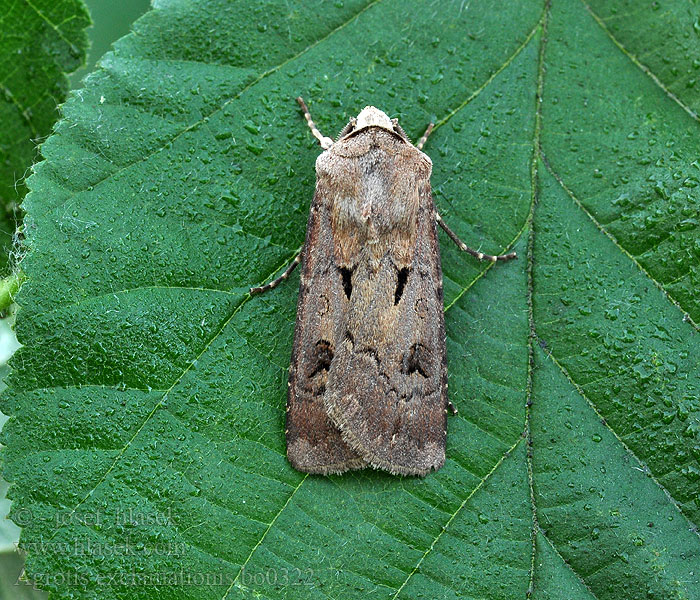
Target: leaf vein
x=566, y=563
x=46, y=20
x=668, y=295
x=691, y=525
x=646, y=70
x=264, y=535
x=218, y=109
x=444, y=528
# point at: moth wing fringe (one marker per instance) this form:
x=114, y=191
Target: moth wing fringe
x=338, y=419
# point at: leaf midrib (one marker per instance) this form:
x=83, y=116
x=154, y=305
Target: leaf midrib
x=534, y=338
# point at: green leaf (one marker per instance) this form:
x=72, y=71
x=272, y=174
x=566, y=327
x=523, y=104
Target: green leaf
x=148, y=398
x=42, y=41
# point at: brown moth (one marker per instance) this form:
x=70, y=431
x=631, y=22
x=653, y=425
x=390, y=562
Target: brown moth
x=368, y=377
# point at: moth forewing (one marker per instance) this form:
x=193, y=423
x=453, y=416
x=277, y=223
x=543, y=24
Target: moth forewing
x=368, y=377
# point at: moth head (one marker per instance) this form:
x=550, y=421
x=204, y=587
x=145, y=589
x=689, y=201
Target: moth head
x=372, y=117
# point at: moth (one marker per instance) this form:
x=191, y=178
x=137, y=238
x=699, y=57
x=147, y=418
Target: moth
x=368, y=377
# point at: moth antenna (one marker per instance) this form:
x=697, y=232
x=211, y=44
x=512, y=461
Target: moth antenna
x=325, y=142
x=421, y=142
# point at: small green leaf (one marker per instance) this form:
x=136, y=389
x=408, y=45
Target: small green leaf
x=148, y=399
x=8, y=288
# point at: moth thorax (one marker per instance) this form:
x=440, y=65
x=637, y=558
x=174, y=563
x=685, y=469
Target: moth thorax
x=373, y=117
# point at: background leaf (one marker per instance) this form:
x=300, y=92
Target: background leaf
x=42, y=41
x=148, y=399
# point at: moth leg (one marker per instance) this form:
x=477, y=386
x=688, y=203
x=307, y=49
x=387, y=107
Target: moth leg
x=325, y=142
x=421, y=142
x=275, y=282
x=462, y=246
